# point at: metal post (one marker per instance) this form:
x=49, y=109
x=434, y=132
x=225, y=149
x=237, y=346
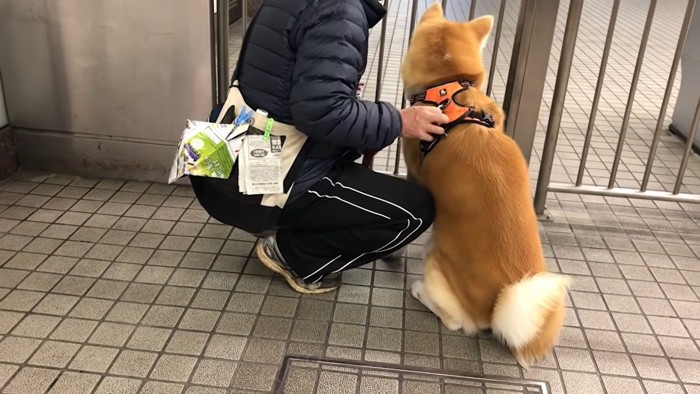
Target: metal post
x=688, y=147
x=529, y=65
x=244, y=17
x=368, y=158
x=472, y=9
x=411, y=29
x=213, y=29
x=598, y=89
x=397, y=160
x=516, y=72
x=222, y=49
x=633, y=90
x=667, y=94
x=567, y=54
x=496, y=44
x=382, y=45
x=444, y=5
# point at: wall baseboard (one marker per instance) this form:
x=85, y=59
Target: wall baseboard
x=8, y=153
x=93, y=155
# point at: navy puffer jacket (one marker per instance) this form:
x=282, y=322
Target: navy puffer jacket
x=302, y=61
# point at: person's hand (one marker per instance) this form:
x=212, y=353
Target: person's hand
x=420, y=122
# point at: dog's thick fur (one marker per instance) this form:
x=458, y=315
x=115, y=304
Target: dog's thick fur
x=485, y=267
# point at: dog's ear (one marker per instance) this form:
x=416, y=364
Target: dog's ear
x=433, y=12
x=482, y=28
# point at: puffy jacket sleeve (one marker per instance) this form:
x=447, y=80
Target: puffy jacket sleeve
x=328, y=65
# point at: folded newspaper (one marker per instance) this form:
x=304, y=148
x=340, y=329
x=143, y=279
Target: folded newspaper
x=207, y=150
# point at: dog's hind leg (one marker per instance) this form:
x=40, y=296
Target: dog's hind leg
x=435, y=293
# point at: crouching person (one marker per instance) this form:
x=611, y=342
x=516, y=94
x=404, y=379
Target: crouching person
x=301, y=63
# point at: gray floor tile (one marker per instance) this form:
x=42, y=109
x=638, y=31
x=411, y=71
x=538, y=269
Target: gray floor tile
x=622, y=385
x=36, y=326
x=20, y=300
x=187, y=342
x=200, y=320
x=578, y=382
x=75, y=383
x=272, y=327
x=133, y=363
x=226, y=347
x=153, y=387
x=653, y=368
x=16, y=349
x=74, y=330
x=112, y=384
x=93, y=359
x=32, y=380
x=54, y=354
x=126, y=312
x=163, y=316
x=214, y=373
x=687, y=370
x=173, y=368
x=149, y=338
x=8, y=320
x=254, y=377
x=236, y=323
x=655, y=387
x=264, y=351
x=111, y=334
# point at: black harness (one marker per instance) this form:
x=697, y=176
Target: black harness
x=442, y=96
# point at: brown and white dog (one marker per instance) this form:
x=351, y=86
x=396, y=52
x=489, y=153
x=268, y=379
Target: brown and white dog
x=485, y=268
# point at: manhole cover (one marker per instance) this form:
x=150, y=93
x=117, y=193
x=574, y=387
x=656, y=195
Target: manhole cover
x=302, y=375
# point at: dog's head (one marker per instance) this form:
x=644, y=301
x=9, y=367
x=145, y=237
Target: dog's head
x=443, y=51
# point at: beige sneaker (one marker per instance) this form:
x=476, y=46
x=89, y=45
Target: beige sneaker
x=268, y=253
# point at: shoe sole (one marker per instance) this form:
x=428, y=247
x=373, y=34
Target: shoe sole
x=272, y=266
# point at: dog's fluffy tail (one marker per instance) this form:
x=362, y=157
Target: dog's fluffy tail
x=529, y=314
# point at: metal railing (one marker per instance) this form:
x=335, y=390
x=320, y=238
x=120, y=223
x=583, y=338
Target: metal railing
x=532, y=44
x=553, y=128
x=533, y=37
x=529, y=65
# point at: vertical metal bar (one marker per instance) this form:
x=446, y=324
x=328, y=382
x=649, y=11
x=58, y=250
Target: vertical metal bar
x=414, y=17
x=213, y=28
x=397, y=160
x=688, y=147
x=222, y=50
x=368, y=158
x=472, y=9
x=573, y=20
x=382, y=45
x=411, y=29
x=244, y=17
x=598, y=89
x=667, y=95
x=515, y=70
x=633, y=90
x=496, y=44
x=444, y=6
x=529, y=67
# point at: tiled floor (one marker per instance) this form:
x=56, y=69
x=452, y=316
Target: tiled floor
x=117, y=286
x=121, y=285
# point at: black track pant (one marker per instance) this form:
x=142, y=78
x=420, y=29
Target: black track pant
x=350, y=218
